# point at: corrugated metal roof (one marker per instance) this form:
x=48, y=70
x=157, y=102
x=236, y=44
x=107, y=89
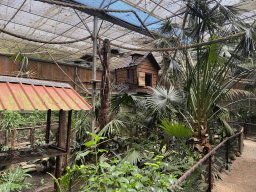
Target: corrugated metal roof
x=33, y=81
x=19, y=96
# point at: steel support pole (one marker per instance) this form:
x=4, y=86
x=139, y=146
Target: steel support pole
x=94, y=67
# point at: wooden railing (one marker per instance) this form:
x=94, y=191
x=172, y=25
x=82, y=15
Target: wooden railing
x=208, y=157
x=31, y=136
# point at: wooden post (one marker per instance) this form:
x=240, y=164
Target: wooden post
x=227, y=151
x=32, y=137
x=6, y=138
x=61, y=143
x=105, y=85
x=13, y=139
x=68, y=138
x=245, y=131
x=48, y=127
x=210, y=174
x=240, y=142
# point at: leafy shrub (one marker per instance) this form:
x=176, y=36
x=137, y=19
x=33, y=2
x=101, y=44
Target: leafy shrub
x=119, y=177
x=14, y=181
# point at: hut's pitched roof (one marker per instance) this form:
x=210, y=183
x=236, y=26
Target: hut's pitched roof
x=127, y=62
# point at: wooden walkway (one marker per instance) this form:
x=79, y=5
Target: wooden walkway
x=242, y=177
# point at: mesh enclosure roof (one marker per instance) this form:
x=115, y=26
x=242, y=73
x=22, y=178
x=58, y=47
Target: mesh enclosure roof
x=58, y=20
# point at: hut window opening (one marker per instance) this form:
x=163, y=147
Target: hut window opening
x=130, y=75
x=148, y=79
x=135, y=57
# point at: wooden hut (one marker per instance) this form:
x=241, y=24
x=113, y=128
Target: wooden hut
x=136, y=73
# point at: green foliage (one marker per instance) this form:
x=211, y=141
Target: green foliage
x=122, y=177
x=11, y=120
x=176, y=129
x=162, y=101
x=14, y=181
x=36, y=116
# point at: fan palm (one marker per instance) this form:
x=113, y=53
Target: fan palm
x=177, y=130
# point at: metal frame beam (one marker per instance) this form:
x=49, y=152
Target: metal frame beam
x=105, y=16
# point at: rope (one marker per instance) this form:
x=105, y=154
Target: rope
x=134, y=49
x=41, y=41
x=86, y=90
x=182, y=47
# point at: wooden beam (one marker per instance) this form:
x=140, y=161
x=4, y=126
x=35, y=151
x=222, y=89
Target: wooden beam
x=48, y=126
x=61, y=143
x=69, y=131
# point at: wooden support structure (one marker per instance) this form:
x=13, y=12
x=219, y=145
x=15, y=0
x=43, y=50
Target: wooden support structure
x=227, y=154
x=105, y=85
x=68, y=139
x=32, y=137
x=6, y=138
x=62, y=144
x=210, y=174
x=48, y=126
x=69, y=131
x=13, y=139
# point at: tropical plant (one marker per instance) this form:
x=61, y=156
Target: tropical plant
x=14, y=180
x=122, y=177
x=10, y=122
x=177, y=130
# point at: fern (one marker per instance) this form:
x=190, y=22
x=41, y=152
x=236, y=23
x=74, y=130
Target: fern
x=133, y=156
x=14, y=181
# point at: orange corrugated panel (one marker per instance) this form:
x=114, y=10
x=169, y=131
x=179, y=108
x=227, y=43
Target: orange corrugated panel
x=8, y=99
x=78, y=100
x=16, y=96
x=21, y=96
x=34, y=97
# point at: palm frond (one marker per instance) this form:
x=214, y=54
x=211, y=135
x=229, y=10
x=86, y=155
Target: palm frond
x=163, y=100
x=133, y=156
x=175, y=129
x=113, y=127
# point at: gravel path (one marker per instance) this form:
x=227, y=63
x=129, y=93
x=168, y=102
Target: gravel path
x=242, y=177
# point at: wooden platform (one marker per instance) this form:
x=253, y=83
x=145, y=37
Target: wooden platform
x=29, y=154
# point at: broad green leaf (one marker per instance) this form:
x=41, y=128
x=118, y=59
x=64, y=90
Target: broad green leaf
x=138, y=185
x=90, y=143
x=123, y=180
x=103, y=150
x=97, y=138
x=104, y=165
x=84, y=154
x=117, y=173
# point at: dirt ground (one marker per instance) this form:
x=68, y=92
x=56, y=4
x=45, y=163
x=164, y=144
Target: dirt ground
x=242, y=177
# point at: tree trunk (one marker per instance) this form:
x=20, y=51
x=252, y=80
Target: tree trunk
x=105, y=85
